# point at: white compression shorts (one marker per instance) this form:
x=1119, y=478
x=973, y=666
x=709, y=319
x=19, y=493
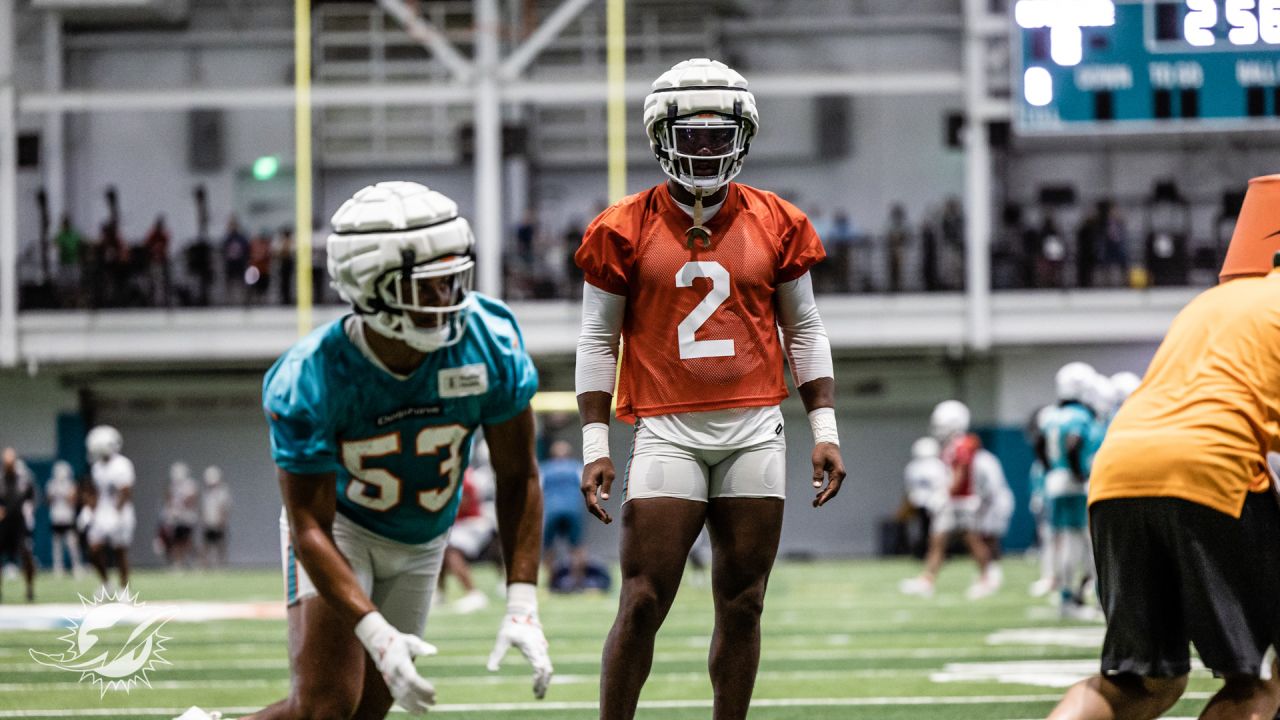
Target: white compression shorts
x=659, y=468
x=957, y=513
x=400, y=579
x=113, y=527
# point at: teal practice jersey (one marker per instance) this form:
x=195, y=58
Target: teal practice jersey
x=397, y=446
x=1067, y=420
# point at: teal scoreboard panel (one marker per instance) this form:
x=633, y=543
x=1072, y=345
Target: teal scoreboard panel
x=1086, y=66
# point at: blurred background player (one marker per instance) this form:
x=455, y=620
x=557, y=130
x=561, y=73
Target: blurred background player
x=472, y=531
x=562, y=518
x=967, y=474
x=183, y=513
x=111, y=530
x=215, y=517
x=1039, y=504
x=1071, y=434
x=371, y=421
x=1182, y=508
x=698, y=275
x=928, y=484
x=63, y=497
x=17, y=496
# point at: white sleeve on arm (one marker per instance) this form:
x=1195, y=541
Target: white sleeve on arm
x=597, y=361
x=804, y=337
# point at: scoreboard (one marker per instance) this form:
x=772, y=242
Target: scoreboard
x=1146, y=65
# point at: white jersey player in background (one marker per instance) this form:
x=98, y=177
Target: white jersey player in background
x=62, y=494
x=927, y=483
x=215, y=516
x=111, y=530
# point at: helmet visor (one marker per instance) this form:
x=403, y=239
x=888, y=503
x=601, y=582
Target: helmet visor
x=703, y=147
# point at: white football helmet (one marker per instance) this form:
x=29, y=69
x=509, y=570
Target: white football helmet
x=1125, y=383
x=1100, y=396
x=62, y=471
x=212, y=475
x=402, y=256
x=925, y=448
x=949, y=419
x=1073, y=380
x=700, y=120
x=103, y=442
x=179, y=472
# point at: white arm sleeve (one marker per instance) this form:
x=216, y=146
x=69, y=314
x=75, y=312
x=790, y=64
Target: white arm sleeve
x=803, y=335
x=598, y=340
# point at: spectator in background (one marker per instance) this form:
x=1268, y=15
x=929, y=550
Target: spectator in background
x=235, y=260
x=113, y=264
x=951, y=225
x=929, y=256
x=285, y=253
x=199, y=259
x=839, y=264
x=258, y=276
x=563, y=515
x=570, y=241
x=1088, y=237
x=1051, y=254
x=70, y=245
x=526, y=235
x=62, y=495
x=1115, y=248
x=897, y=238
x=17, y=495
x=215, y=516
x=157, y=247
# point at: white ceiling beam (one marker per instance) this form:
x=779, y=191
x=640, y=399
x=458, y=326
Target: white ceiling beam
x=431, y=38
x=548, y=31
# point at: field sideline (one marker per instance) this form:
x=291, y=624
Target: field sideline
x=840, y=642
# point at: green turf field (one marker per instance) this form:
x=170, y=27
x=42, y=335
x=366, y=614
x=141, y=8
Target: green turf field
x=840, y=642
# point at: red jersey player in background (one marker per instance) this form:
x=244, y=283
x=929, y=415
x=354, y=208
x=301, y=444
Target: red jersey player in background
x=697, y=275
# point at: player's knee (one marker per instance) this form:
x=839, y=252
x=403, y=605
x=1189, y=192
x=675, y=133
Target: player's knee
x=1164, y=692
x=1247, y=687
x=744, y=607
x=642, y=603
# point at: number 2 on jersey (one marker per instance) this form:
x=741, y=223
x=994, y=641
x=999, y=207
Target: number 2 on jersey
x=690, y=348
x=387, y=488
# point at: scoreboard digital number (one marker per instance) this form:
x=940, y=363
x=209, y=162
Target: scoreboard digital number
x=1146, y=65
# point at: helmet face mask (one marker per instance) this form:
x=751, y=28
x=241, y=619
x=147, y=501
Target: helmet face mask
x=702, y=151
x=427, y=304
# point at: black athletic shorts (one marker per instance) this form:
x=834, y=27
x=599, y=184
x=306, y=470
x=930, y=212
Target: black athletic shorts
x=1172, y=571
x=213, y=536
x=62, y=528
x=181, y=533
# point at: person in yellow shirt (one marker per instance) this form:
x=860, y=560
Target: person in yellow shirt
x=1185, y=526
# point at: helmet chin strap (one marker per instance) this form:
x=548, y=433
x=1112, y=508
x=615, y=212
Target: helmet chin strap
x=698, y=234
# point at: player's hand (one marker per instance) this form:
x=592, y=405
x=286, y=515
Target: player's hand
x=597, y=481
x=524, y=632
x=393, y=653
x=827, y=462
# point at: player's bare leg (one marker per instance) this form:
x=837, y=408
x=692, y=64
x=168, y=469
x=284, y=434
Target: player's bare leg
x=744, y=542
x=1120, y=697
x=29, y=572
x=375, y=698
x=979, y=549
x=1245, y=698
x=656, y=536
x=455, y=564
x=122, y=562
x=320, y=639
x=98, y=555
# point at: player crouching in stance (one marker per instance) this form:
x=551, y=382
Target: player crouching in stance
x=698, y=275
x=976, y=502
x=1185, y=525
x=371, y=420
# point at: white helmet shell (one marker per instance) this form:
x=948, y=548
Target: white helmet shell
x=212, y=475
x=62, y=471
x=693, y=88
x=925, y=448
x=949, y=419
x=1100, y=396
x=1073, y=380
x=386, y=239
x=102, y=442
x=1125, y=383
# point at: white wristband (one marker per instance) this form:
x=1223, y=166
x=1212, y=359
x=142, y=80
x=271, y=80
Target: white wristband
x=823, y=423
x=369, y=628
x=522, y=599
x=595, y=442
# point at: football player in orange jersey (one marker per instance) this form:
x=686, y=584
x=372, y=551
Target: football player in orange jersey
x=698, y=275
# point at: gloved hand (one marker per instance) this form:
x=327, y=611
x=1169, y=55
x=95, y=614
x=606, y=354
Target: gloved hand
x=393, y=653
x=520, y=628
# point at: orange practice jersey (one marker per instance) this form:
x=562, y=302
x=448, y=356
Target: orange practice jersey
x=1208, y=411
x=959, y=455
x=700, y=331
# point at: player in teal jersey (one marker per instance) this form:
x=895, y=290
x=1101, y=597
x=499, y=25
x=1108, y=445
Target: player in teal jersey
x=372, y=418
x=1070, y=433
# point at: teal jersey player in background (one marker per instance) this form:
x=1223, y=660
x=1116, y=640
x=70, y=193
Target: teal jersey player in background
x=371, y=420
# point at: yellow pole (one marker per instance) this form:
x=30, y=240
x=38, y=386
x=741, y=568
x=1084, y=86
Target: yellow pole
x=302, y=161
x=616, y=57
